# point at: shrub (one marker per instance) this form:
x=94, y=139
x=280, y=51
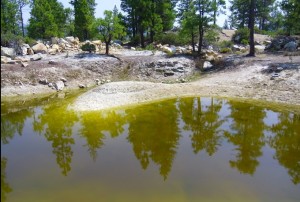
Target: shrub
x=241, y=36
x=29, y=41
x=225, y=50
x=11, y=40
x=225, y=44
x=245, y=42
x=150, y=47
x=171, y=38
x=88, y=47
x=211, y=36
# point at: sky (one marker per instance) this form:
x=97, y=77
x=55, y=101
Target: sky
x=103, y=5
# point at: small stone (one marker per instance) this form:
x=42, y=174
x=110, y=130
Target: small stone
x=59, y=85
x=63, y=79
x=52, y=62
x=24, y=64
x=168, y=73
x=279, y=69
x=81, y=86
x=12, y=62
x=275, y=75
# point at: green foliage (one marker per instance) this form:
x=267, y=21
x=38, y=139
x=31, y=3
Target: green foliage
x=241, y=36
x=88, y=47
x=291, y=9
x=189, y=22
x=211, y=36
x=245, y=42
x=171, y=38
x=148, y=16
x=84, y=17
x=47, y=19
x=29, y=41
x=239, y=17
x=225, y=50
x=10, y=40
x=150, y=47
x=69, y=26
x=110, y=28
x=218, y=7
x=225, y=44
x=9, y=17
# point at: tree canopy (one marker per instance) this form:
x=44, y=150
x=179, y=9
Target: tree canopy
x=146, y=21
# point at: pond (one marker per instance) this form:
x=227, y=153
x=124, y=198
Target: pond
x=185, y=149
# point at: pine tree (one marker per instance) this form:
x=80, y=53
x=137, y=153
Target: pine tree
x=21, y=5
x=204, y=11
x=69, y=27
x=42, y=21
x=152, y=16
x=48, y=19
x=189, y=23
x=9, y=17
x=218, y=7
x=264, y=8
x=251, y=27
x=239, y=13
x=84, y=15
x=291, y=10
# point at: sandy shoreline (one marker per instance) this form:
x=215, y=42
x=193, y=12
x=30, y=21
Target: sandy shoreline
x=247, y=82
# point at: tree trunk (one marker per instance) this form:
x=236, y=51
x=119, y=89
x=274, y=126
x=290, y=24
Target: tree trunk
x=193, y=42
x=142, y=38
x=107, y=47
x=151, y=35
x=251, y=26
x=22, y=24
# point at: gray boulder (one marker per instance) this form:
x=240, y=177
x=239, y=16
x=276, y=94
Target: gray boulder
x=36, y=57
x=291, y=46
x=8, y=52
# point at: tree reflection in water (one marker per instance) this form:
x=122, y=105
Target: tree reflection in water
x=13, y=123
x=94, y=124
x=286, y=142
x=204, y=122
x=154, y=134
x=5, y=188
x=56, y=123
x=247, y=135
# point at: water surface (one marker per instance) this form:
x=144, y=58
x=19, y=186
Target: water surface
x=187, y=149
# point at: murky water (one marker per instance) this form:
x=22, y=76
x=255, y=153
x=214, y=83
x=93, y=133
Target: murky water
x=189, y=149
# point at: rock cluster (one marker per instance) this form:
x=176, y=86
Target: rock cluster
x=287, y=43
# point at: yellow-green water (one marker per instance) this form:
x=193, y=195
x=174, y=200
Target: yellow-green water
x=186, y=149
